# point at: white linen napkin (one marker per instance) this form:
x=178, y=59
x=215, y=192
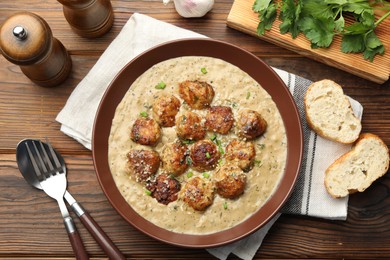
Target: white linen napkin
x=142, y=32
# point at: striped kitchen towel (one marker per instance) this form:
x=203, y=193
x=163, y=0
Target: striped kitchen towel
x=309, y=196
x=141, y=33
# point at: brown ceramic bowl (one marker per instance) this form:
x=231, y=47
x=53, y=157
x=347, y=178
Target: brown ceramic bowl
x=256, y=68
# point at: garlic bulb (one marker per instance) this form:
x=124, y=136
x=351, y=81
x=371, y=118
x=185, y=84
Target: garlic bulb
x=192, y=8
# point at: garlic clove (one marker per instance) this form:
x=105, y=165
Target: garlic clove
x=192, y=8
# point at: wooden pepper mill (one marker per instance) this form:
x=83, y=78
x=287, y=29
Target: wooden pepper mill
x=88, y=18
x=26, y=40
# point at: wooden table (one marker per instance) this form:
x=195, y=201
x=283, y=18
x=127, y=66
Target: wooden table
x=30, y=223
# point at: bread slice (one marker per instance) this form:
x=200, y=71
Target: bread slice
x=329, y=112
x=359, y=168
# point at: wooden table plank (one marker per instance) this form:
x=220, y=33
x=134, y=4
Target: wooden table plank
x=30, y=223
x=213, y=25
x=23, y=205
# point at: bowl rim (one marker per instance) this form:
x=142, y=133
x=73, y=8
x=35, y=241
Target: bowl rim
x=238, y=57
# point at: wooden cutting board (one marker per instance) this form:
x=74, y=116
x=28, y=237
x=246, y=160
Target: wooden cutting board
x=242, y=18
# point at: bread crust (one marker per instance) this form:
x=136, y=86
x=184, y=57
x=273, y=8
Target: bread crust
x=353, y=153
x=317, y=128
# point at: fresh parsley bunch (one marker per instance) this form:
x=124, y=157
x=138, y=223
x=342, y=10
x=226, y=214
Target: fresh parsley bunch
x=321, y=20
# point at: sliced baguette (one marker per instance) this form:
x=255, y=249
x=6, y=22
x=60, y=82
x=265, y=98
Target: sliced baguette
x=356, y=170
x=329, y=112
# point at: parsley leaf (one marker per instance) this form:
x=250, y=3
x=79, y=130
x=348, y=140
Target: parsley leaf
x=352, y=43
x=374, y=46
x=259, y=5
x=318, y=30
x=317, y=8
x=290, y=14
x=339, y=23
x=267, y=15
x=359, y=37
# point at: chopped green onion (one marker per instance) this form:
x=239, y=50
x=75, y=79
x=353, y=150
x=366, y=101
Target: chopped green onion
x=225, y=205
x=220, y=162
x=203, y=70
x=258, y=163
x=213, y=137
x=161, y=85
x=188, y=161
x=208, y=155
x=248, y=95
x=206, y=175
x=189, y=174
x=188, y=141
x=148, y=192
x=143, y=114
x=218, y=143
x=221, y=149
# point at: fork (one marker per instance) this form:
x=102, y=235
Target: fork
x=53, y=182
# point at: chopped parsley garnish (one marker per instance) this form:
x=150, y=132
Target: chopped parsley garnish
x=258, y=163
x=218, y=143
x=220, y=162
x=188, y=161
x=225, y=205
x=208, y=155
x=203, y=70
x=148, y=192
x=187, y=141
x=189, y=174
x=206, y=175
x=160, y=85
x=143, y=114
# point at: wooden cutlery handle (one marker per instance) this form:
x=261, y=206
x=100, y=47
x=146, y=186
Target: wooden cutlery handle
x=101, y=237
x=75, y=240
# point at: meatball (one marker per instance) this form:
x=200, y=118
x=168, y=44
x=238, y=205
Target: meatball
x=174, y=157
x=230, y=181
x=189, y=126
x=142, y=164
x=250, y=124
x=198, y=193
x=164, y=189
x=204, y=155
x=242, y=153
x=145, y=131
x=197, y=94
x=219, y=119
x=165, y=109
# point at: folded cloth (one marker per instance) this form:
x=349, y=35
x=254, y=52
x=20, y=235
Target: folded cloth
x=142, y=32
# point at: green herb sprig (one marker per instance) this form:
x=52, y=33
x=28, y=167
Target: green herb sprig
x=321, y=20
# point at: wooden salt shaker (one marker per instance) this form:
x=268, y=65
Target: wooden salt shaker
x=26, y=40
x=88, y=18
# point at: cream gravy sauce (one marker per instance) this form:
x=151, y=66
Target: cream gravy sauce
x=233, y=87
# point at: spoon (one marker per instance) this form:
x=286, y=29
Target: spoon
x=27, y=170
